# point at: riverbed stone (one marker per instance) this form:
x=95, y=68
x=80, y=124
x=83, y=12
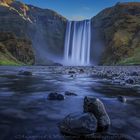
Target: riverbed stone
x=78, y=124
x=122, y=99
x=96, y=108
x=68, y=93
x=55, y=96
x=26, y=73
x=130, y=81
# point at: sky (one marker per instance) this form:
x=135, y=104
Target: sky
x=76, y=9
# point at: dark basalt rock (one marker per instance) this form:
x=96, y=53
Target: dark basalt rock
x=134, y=73
x=96, y=107
x=122, y=99
x=55, y=96
x=93, y=125
x=72, y=72
x=70, y=93
x=26, y=73
x=72, y=76
x=60, y=97
x=81, y=71
x=78, y=124
x=130, y=81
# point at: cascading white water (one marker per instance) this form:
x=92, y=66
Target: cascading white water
x=77, y=43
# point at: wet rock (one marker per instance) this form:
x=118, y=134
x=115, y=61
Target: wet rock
x=26, y=73
x=72, y=72
x=134, y=73
x=81, y=71
x=122, y=99
x=130, y=81
x=55, y=96
x=72, y=76
x=57, y=64
x=78, y=124
x=70, y=93
x=60, y=97
x=97, y=109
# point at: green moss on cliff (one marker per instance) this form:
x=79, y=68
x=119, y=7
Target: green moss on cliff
x=6, y=58
x=15, y=51
x=120, y=26
x=133, y=60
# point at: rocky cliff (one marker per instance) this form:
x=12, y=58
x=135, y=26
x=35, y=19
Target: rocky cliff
x=43, y=27
x=119, y=29
x=15, y=50
x=115, y=32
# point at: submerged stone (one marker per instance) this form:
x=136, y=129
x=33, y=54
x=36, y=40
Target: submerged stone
x=130, y=81
x=55, y=96
x=68, y=93
x=27, y=73
x=122, y=99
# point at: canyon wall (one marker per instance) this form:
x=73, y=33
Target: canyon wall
x=119, y=29
x=43, y=27
x=115, y=34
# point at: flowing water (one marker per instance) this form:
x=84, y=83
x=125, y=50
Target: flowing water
x=25, y=112
x=77, y=43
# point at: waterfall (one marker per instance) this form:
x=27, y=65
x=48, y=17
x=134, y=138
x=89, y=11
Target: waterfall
x=77, y=43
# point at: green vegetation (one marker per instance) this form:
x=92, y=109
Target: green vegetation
x=15, y=51
x=133, y=60
x=120, y=27
x=7, y=59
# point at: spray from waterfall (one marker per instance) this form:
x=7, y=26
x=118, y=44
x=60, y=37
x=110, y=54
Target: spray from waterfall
x=77, y=43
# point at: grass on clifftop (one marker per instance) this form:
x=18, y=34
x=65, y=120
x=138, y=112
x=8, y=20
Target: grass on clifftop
x=133, y=60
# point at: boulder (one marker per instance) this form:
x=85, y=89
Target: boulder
x=60, y=97
x=72, y=72
x=68, y=93
x=122, y=99
x=134, y=73
x=26, y=73
x=130, y=81
x=97, y=108
x=78, y=124
x=81, y=71
x=55, y=96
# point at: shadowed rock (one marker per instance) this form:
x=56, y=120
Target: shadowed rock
x=78, y=124
x=26, y=73
x=68, y=93
x=55, y=96
x=122, y=99
x=130, y=81
x=97, y=109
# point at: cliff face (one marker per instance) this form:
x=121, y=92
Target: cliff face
x=115, y=35
x=14, y=50
x=119, y=29
x=49, y=35
x=45, y=29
